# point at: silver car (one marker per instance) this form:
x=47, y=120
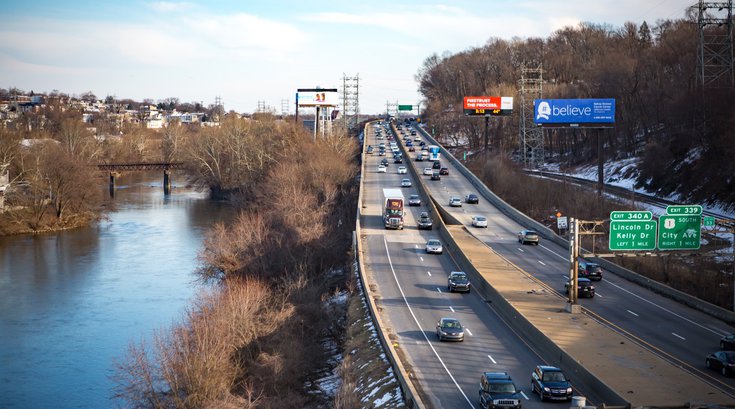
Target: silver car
x=455, y=201
x=479, y=221
x=528, y=236
x=449, y=329
x=406, y=183
x=434, y=246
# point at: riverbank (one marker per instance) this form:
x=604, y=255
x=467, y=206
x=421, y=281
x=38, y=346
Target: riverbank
x=15, y=222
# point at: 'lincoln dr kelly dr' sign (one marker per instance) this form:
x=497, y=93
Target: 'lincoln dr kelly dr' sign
x=599, y=113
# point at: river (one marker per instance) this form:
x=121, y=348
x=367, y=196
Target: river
x=72, y=302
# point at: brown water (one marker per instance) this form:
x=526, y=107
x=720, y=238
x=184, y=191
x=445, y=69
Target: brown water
x=71, y=302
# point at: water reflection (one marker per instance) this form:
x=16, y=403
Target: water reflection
x=72, y=301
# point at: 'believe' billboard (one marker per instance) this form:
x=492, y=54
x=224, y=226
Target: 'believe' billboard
x=574, y=112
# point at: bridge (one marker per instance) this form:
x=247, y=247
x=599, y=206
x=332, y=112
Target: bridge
x=115, y=168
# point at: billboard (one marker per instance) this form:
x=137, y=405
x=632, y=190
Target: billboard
x=317, y=97
x=487, y=106
x=598, y=113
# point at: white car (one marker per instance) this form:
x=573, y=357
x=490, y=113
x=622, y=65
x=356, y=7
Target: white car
x=416, y=138
x=382, y=169
x=455, y=201
x=479, y=221
x=428, y=171
x=402, y=170
x=434, y=246
x=406, y=183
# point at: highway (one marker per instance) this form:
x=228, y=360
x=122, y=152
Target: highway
x=413, y=297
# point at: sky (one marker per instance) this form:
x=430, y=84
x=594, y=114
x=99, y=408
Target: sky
x=250, y=51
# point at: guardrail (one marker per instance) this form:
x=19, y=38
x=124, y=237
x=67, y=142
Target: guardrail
x=535, y=337
x=520, y=218
x=410, y=395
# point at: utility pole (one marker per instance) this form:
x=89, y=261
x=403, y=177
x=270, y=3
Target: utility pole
x=284, y=108
x=351, y=101
x=579, y=228
x=715, y=49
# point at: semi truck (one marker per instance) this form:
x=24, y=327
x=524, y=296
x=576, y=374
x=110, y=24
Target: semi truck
x=433, y=152
x=393, y=209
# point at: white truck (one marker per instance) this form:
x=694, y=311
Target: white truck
x=393, y=209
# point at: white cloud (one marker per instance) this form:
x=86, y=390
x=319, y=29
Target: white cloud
x=169, y=6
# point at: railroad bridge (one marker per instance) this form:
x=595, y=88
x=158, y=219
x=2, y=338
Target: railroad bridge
x=116, y=168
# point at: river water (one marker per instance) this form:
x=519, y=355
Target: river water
x=72, y=302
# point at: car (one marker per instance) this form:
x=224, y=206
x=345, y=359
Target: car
x=414, y=200
x=413, y=132
x=398, y=159
x=420, y=157
x=422, y=143
x=412, y=149
x=384, y=161
x=479, y=221
x=497, y=391
x=593, y=271
x=436, y=165
x=428, y=171
x=382, y=168
x=379, y=136
x=381, y=151
x=550, y=383
x=425, y=222
x=434, y=246
x=417, y=138
x=458, y=281
x=406, y=182
x=409, y=143
x=436, y=176
x=370, y=149
x=472, y=199
x=455, y=201
x=381, y=145
x=585, y=289
x=449, y=329
x=402, y=170
x=722, y=361
x=528, y=236
x=727, y=343
x=444, y=171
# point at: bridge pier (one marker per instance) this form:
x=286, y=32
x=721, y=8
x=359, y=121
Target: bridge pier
x=166, y=182
x=113, y=175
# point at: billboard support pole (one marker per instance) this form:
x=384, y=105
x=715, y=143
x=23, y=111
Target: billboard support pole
x=316, y=120
x=487, y=127
x=600, y=162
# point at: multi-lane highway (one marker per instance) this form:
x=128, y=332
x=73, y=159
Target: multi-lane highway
x=413, y=298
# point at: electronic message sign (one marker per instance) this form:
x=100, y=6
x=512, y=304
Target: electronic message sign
x=488, y=106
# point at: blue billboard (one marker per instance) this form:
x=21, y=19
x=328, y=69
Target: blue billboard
x=574, y=112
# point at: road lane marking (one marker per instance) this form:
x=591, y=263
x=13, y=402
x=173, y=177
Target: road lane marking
x=421, y=258
x=524, y=395
x=678, y=336
x=439, y=289
x=491, y=358
x=541, y=262
x=521, y=250
x=631, y=312
x=410, y=310
x=599, y=295
x=429, y=273
x=451, y=308
x=416, y=245
x=469, y=332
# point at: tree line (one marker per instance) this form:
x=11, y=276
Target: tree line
x=682, y=133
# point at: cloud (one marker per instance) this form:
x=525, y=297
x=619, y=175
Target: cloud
x=169, y=6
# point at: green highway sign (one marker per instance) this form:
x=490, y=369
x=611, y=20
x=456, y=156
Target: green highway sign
x=405, y=107
x=684, y=210
x=632, y=235
x=709, y=221
x=679, y=232
x=630, y=216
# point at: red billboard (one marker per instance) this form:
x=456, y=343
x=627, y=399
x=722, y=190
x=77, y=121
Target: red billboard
x=481, y=102
x=488, y=106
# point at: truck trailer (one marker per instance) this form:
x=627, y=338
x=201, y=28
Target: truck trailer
x=393, y=209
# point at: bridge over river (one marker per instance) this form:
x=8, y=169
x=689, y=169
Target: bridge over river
x=116, y=168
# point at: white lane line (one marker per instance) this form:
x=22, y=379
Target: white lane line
x=469, y=332
x=524, y=395
x=429, y=273
x=599, y=295
x=678, y=336
x=451, y=308
x=491, y=358
x=667, y=310
x=439, y=289
x=521, y=250
x=410, y=310
x=632, y=313
x=416, y=245
x=541, y=262
x=566, y=257
x=565, y=276
x=421, y=258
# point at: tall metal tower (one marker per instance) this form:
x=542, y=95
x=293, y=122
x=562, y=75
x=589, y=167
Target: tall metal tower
x=261, y=107
x=532, y=137
x=350, y=101
x=391, y=109
x=284, y=108
x=715, y=53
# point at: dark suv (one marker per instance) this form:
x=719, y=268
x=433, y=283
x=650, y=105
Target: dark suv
x=550, y=383
x=472, y=199
x=592, y=271
x=458, y=281
x=497, y=391
x=584, y=287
